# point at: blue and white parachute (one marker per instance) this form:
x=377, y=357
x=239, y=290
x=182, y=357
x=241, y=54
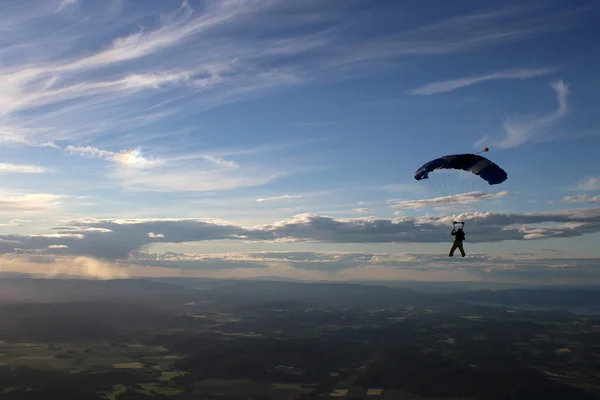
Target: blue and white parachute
x=473, y=163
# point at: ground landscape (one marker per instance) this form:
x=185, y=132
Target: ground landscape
x=228, y=339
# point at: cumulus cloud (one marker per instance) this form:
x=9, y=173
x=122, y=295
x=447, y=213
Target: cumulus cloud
x=117, y=239
x=464, y=198
x=454, y=84
x=583, y=198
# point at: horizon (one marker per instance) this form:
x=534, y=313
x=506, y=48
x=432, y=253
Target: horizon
x=243, y=139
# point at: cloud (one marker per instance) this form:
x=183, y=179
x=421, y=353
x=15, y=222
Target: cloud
x=134, y=158
x=324, y=261
x=8, y=138
x=220, y=161
x=29, y=203
x=185, y=178
x=117, y=239
x=52, y=266
x=464, y=198
x=533, y=267
x=362, y=210
x=277, y=198
x=583, y=198
x=130, y=158
x=134, y=171
x=90, y=151
x=16, y=222
x=587, y=184
x=454, y=84
x=21, y=169
x=532, y=129
x=149, y=64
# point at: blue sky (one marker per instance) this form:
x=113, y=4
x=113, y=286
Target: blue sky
x=249, y=138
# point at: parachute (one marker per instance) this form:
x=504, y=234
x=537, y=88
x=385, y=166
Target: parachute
x=473, y=163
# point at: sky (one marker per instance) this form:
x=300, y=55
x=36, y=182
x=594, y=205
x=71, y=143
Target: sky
x=245, y=138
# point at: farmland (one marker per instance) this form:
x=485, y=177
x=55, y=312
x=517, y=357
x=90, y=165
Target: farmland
x=294, y=345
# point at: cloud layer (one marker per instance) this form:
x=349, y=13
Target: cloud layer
x=117, y=239
x=539, y=267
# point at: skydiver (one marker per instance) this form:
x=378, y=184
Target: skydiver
x=459, y=236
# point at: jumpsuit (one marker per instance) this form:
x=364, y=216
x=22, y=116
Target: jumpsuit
x=458, y=243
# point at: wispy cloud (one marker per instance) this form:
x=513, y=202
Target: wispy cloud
x=131, y=158
x=135, y=171
x=532, y=129
x=21, y=168
x=277, y=198
x=8, y=138
x=583, y=198
x=458, y=199
x=172, y=60
x=587, y=184
x=18, y=203
x=16, y=222
x=454, y=84
x=90, y=151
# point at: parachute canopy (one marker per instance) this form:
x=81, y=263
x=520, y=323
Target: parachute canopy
x=476, y=164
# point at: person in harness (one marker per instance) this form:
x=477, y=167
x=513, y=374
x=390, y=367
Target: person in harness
x=459, y=236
